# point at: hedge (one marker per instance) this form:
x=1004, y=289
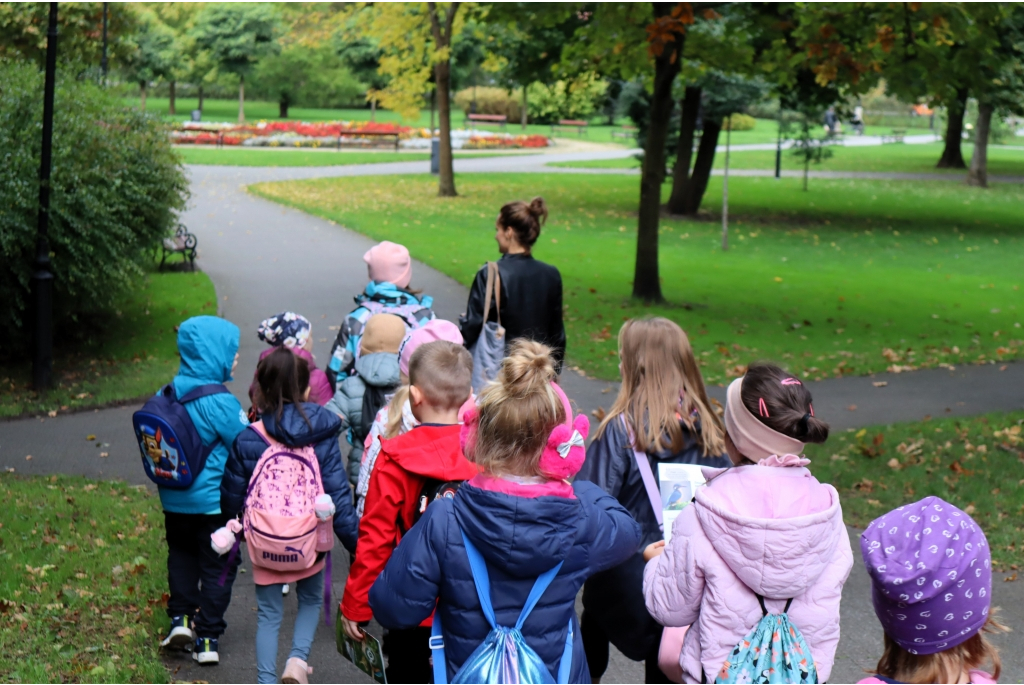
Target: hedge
x=116, y=186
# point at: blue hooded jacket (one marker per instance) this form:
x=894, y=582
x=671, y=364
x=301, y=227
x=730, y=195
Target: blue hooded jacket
x=292, y=430
x=207, y=346
x=520, y=538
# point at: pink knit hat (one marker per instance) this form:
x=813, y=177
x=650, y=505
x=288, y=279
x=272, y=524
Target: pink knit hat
x=389, y=262
x=438, y=329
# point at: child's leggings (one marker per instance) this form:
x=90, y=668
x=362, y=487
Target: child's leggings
x=270, y=605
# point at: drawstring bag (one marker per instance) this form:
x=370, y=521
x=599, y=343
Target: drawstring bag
x=489, y=349
x=773, y=652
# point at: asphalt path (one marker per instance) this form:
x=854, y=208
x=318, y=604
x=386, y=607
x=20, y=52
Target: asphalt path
x=264, y=258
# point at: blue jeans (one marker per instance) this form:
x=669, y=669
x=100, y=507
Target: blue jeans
x=270, y=611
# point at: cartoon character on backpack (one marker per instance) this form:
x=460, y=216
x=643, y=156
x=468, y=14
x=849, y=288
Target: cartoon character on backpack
x=163, y=456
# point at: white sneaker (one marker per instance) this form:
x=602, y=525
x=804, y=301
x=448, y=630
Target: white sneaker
x=284, y=589
x=181, y=636
x=205, y=651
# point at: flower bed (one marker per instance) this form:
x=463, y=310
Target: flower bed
x=492, y=142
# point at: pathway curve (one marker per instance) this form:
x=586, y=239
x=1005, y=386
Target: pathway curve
x=264, y=258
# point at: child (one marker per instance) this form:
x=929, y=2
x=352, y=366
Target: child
x=388, y=292
x=663, y=412
x=439, y=378
x=375, y=378
x=396, y=418
x=208, y=347
x=287, y=417
x=931, y=584
x=521, y=514
x=294, y=332
x=767, y=529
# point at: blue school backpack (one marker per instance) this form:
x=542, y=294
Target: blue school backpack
x=773, y=652
x=172, y=452
x=503, y=656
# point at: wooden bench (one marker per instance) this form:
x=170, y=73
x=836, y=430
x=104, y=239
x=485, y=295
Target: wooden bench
x=626, y=132
x=570, y=124
x=369, y=134
x=895, y=137
x=499, y=119
x=183, y=243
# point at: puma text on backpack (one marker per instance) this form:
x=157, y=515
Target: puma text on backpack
x=503, y=656
x=280, y=520
x=773, y=652
x=172, y=452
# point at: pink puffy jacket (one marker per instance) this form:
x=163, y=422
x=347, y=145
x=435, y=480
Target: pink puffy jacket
x=775, y=531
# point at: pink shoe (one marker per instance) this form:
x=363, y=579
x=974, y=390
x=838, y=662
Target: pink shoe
x=296, y=671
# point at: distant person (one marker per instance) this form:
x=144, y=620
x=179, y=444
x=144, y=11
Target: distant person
x=531, y=291
x=663, y=412
x=388, y=292
x=293, y=332
x=831, y=120
x=521, y=519
x=858, y=120
x=763, y=544
x=931, y=585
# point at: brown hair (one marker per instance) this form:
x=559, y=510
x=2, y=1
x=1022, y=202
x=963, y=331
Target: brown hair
x=443, y=371
x=525, y=219
x=281, y=377
x=517, y=412
x=661, y=385
x=787, y=403
x=943, y=667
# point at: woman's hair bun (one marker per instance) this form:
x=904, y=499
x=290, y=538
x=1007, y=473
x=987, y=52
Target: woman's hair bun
x=527, y=369
x=539, y=209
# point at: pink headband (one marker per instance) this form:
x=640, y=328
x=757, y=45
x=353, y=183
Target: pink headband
x=753, y=439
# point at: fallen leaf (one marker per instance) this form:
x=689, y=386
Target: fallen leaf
x=51, y=414
x=969, y=509
x=28, y=457
x=598, y=413
x=90, y=437
x=874, y=503
x=104, y=454
x=778, y=279
x=894, y=464
x=1010, y=579
x=880, y=384
x=852, y=407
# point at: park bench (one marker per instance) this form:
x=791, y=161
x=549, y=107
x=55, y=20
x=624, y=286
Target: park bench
x=627, y=132
x=369, y=134
x=183, y=243
x=499, y=119
x=569, y=125
x=895, y=137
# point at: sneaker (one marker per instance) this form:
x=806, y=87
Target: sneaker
x=296, y=671
x=182, y=635
x=284, y=589
x=205, y=651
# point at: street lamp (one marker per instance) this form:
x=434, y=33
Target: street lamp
x=42, y=276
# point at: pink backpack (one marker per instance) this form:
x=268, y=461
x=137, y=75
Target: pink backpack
x=280, y=520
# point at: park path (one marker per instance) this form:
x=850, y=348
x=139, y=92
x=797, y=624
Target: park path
x=264, y=258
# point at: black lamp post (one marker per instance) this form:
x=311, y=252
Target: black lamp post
x=103, y=59
x=42, y=277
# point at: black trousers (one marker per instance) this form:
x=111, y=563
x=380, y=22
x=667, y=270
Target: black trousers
x=194, y=570
x=408, y=653
x=596, y=646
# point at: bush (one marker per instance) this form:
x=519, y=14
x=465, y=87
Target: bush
x=116, y=185
x=576, y=99
x=739, y=122
x=491, y=100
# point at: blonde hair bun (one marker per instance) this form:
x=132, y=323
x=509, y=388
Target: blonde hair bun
x=527, y=369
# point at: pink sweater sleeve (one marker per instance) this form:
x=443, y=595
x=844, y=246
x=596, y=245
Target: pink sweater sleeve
x=674, y=581
x=319, y=387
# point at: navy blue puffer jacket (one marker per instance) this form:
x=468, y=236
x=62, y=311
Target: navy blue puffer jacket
x=520, y=538
x=292, y=430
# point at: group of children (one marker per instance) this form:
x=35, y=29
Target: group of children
x=471, y=514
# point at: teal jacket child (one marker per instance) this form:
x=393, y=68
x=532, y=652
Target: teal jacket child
x=207, y=346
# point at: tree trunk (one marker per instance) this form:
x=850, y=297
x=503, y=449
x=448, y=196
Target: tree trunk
x=241, y=99
x=373, y=109
x=433, y=110
x=952, y=157
x=725, y=189
x=522, y=115
x=978, y=173
x=200, y=98
x=684, y=150
x=442, y=79
x=142, y=95
x=170, y=108
x=702, y=166
x=282, y=107
x=646, y=279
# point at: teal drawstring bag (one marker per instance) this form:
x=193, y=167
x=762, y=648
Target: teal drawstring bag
x=503, y=656
x=773, y=652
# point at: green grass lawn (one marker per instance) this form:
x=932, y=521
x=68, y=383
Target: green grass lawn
x=241, y=156
x=130, y=356
x=899, y=158
x=974, y=463
x=850, y=278
x=82, y=592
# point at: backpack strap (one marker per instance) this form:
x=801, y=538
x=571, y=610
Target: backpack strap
x=644, y=466
x=764, y=610
x=261, y=430
x=481, y=579
x=437, y=657
x=493, y=289
x=203, y=391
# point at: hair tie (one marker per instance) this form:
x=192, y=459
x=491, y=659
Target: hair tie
x=803, y=423
x=791, y=381
x=762, y=408
x=811, y=408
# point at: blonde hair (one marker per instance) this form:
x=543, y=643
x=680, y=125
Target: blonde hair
x=443, y=371
x=393, y=427
x=661, y=385
x=517, y=412
x=946, y=666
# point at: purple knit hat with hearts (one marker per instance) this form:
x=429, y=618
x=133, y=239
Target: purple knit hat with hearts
x=931, y=575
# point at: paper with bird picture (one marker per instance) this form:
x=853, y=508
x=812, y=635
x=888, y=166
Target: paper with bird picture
x=678, y=484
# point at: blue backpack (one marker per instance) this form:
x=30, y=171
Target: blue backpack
x=503, y=656
x=773, y=652
x=172, y=452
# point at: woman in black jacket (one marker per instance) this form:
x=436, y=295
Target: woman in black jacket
x=531, y=291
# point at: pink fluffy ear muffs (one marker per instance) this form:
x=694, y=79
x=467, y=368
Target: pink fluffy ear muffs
x=565, y=451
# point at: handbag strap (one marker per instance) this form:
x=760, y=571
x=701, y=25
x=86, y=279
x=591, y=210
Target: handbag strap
x=644, y=466
x=493, y=290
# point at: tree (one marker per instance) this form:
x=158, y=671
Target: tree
x=237, y=37
x=441, y=25
x=191, y=64
x=313, y=76
x=155, y=56
x=80, y=27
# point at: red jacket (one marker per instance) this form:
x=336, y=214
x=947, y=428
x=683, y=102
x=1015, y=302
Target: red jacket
x=403, y=467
